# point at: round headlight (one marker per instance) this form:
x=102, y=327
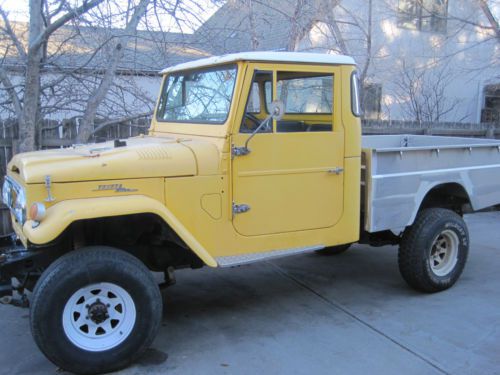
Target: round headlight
x=20, y=206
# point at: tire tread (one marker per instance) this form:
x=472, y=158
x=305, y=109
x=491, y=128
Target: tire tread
x=77, y=259
x=409, y=255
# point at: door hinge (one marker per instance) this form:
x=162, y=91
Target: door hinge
x=239, y=151
x=240, y=208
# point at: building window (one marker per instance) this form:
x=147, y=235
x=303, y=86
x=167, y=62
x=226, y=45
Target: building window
x=491, y=110
x=423, y=15
x=371, y=99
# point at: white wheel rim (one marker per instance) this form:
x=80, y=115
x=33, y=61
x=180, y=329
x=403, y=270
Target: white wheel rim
x=99, y=317
x=444, y=253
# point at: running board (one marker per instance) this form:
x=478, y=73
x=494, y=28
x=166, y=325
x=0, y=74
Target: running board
x=238, y=260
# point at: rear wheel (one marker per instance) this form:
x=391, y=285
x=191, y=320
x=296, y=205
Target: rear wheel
x=434, y=250
x=95, y=310
x=334, y=250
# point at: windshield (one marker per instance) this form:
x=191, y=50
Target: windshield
x=202, y=96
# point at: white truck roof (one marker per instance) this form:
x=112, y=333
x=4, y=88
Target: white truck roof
x=291, y=57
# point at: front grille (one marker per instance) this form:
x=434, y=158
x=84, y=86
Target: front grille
x=10, y=193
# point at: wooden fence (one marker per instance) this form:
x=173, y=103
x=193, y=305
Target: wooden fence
x=56, y=134
x=454, y=129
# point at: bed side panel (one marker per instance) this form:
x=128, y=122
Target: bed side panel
x=399, y=181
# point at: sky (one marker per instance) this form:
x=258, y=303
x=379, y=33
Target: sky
x=18, y=11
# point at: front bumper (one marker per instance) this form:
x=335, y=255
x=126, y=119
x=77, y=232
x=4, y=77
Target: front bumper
x=19, y=270
x=15, y=260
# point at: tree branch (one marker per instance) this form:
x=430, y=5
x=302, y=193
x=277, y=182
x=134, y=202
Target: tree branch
x=119, y=121
x=491, y=18
x=61, y=21
x=12, y=35
x=117, y=54
x=4, y=78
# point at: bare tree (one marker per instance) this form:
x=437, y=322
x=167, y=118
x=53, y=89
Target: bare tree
x=250, y=17
x=252, y=23
x=84, y=61
x=302, y=20
x=102, y=89
x=421, y=93
x=45, y=20
x=494, y=23
x=358, y=31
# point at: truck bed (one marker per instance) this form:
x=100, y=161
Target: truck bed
x=399, y=170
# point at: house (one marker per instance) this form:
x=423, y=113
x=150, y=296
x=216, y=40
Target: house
x=424, y=60
x=77, y=58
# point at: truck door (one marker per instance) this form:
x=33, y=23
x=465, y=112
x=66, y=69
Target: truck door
x=292, y=178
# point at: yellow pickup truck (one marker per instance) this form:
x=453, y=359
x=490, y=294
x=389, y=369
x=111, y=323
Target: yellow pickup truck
x=249, y=157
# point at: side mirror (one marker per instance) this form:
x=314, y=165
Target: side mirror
x=277, y=109
x=276, y=112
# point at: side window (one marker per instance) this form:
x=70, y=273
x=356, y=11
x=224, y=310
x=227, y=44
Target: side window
x=253, y=105
x=255, y=113
x=308, y=100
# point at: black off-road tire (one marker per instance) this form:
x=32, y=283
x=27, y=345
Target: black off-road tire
x=419, y=244
x=334, y=250
x=77, y=270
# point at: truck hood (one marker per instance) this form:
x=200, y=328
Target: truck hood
x=141, y=157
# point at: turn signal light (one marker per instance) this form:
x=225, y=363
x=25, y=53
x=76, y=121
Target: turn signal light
x=37, y=211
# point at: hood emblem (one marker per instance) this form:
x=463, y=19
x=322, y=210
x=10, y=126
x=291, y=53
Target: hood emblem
x=117, y=188
x=48, y=186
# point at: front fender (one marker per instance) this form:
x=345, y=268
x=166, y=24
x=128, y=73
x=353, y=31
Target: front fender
x=62, y=214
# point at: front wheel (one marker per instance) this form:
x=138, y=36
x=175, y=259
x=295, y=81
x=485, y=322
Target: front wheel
x=434, y=250
x=95, y=310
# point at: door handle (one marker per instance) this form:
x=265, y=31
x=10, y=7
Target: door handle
x=336, y=170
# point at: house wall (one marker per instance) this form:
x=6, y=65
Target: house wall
x=465, y=58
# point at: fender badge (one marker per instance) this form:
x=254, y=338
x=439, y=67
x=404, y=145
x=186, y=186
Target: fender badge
x=48, y=186
x=117, y=188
